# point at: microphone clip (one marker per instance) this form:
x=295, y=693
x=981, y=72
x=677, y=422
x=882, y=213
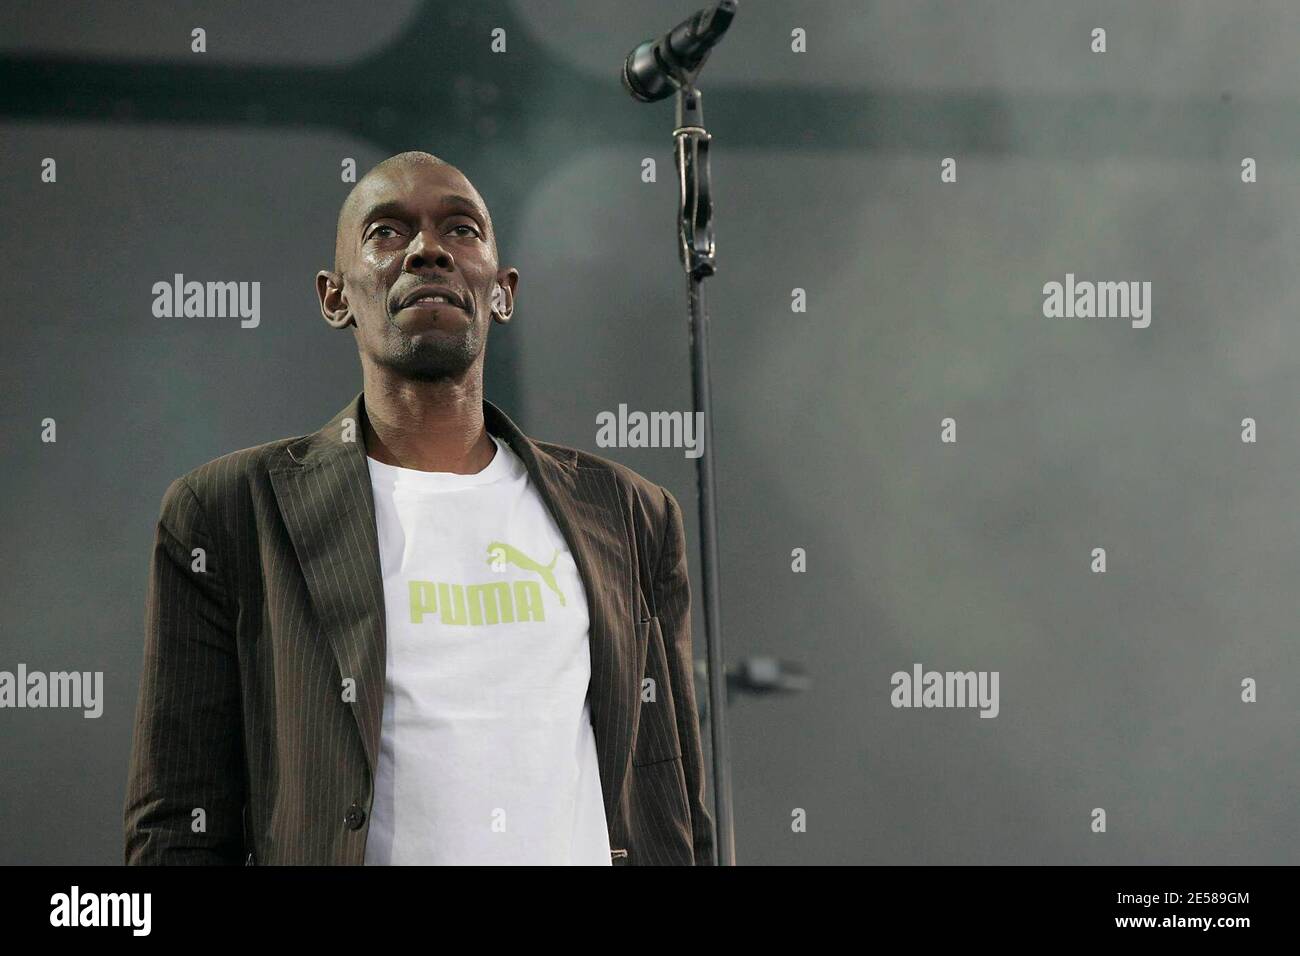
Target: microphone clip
x=695, y=199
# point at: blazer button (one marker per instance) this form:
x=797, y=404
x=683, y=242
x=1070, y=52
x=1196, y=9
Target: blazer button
x=355, y=818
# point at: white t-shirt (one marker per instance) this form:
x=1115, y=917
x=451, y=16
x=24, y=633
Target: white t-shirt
x=487, y=752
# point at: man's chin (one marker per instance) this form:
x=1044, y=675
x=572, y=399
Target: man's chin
x=430, y=358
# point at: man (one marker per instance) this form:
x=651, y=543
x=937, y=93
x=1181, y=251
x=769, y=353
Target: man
x=417, y=636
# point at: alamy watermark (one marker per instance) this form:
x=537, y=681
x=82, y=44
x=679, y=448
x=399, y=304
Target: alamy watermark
x=75, y=689
x=210, y=300
x=626, y=429
x=75, y=908
x=1084, y=299
x=922, y=688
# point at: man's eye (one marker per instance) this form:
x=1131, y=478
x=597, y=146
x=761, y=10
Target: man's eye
x=379, y=229
x=472, y=230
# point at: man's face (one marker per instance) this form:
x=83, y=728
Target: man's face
x=415, y=232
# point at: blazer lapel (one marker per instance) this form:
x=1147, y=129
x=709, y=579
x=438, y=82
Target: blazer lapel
x=329, y=510
x=328, y=506
x=588, y=509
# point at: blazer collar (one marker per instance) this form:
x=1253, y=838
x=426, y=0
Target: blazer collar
x=339, y=438
x=326, y=498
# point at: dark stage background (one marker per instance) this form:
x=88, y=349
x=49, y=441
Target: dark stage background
x=1119, y=690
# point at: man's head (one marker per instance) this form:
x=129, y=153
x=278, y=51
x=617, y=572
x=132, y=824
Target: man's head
x=414, y=227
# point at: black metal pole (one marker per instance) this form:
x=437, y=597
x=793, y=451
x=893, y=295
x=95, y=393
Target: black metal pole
x=695, y=232
x=726, y=839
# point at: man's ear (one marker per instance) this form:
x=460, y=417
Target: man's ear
x=333, y=303
x=503, y=294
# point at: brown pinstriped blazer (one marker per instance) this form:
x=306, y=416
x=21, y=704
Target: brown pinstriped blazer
x=241, y=712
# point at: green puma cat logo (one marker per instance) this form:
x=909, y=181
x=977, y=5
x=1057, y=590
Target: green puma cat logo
x=500, y=551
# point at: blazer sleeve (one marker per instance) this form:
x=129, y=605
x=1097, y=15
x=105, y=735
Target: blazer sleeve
x=187, y=751
x=673, y=603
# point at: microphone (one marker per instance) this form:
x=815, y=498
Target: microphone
x=658, y=67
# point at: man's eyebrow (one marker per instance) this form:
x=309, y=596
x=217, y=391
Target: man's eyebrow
x=397, y=209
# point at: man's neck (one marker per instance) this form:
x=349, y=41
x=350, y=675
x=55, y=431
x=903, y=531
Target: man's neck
x=427, y=426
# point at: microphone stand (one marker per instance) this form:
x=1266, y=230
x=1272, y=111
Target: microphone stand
x=695, y=235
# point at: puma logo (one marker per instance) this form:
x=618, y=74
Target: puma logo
x=500, y=551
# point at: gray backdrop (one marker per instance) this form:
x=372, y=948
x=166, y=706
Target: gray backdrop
x=1119, y=690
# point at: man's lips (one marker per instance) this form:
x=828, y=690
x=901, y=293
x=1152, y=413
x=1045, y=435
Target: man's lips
x=427, y=297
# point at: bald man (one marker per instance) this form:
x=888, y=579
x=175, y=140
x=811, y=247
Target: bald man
x=417, y=636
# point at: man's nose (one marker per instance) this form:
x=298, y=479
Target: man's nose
x=427, y=249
